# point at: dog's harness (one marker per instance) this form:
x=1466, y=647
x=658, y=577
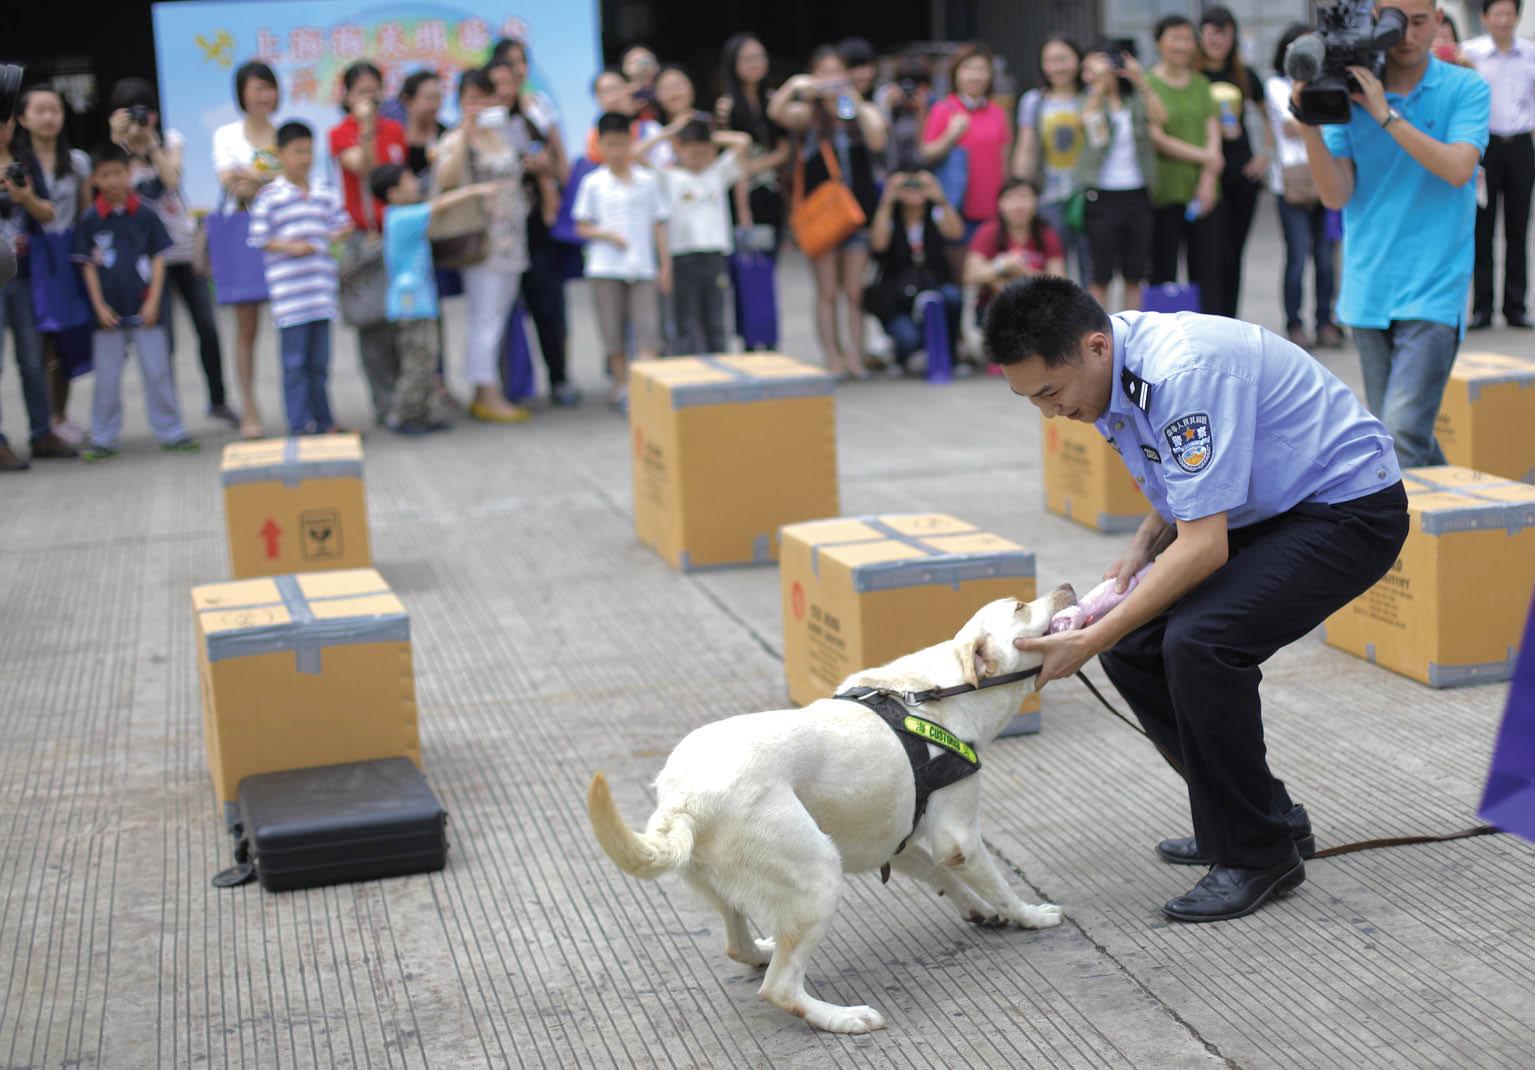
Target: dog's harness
x=955, y=760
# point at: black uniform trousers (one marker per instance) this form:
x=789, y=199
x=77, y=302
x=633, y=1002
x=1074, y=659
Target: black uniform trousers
x=1192, y=674
x=1510, y=169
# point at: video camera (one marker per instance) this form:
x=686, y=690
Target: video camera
x=1347, y=35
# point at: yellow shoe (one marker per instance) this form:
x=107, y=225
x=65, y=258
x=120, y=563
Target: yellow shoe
x=511, y=414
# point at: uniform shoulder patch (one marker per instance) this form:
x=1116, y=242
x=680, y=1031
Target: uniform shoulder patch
x=1188, y=437
x=1136, y=389
x=1151, y=455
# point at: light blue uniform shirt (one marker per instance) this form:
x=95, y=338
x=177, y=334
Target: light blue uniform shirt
x=408, y=263
x=1213, y=415
x=1408, y=246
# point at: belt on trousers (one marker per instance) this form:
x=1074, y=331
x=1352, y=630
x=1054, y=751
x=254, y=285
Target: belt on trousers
x=1504, y=139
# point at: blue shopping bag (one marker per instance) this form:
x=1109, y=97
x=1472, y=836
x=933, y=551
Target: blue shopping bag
x=517, y=379
x=239, y=272
x=953, y=175
x=929, y=307
x=58, y=296
x=755, y=287
x=1509, y=798
x=1170, y=297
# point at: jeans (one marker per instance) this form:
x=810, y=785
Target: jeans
x=17, y=311
x=109, y=355
x=198, y=298
x=543, y=292
x=907, y=335
x=1405, y=368
x=1305, y=238
x=698, y=293
x=305, y=375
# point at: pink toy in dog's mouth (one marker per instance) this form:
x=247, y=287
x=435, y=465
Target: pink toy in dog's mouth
x=1093, y=605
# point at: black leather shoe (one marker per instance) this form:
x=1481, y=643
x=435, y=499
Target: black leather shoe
x=1479, y=323
x=1184, y=850
x=1233, y=892
x=1519, y=323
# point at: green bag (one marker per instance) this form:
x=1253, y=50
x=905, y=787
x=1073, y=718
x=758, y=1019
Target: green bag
x=1076, y=211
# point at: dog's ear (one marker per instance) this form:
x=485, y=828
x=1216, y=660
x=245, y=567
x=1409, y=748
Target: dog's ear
x=974, y=661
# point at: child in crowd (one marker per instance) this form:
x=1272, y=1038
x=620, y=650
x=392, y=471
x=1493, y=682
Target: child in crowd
x=418, y=406
x=120, y=245
x=621, y=212
x=700, y=229
x=294, y=223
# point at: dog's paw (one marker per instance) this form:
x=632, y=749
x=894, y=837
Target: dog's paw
x=986, y=921
x=760, y=953
x=847, y=1020
x=1041, y=917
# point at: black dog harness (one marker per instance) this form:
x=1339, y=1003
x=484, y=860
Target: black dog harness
x=955, y=760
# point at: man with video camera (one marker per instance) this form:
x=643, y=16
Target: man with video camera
x=1401, y=169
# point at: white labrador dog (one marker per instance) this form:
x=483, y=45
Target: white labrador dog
x=763, y=813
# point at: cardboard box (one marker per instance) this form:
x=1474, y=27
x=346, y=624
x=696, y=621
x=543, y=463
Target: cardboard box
x=1452, y=607
x=1086, y=481
x=1487, y=417
x=862, y=591
x=301, y=671
x=295, y=505
x=727, y=450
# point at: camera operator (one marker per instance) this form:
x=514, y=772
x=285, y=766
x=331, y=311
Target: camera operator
x=1401, y=171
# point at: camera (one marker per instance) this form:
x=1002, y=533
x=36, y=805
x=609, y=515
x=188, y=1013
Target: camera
x=10, y=90
x=1347, y=35
x=139, y=113
x=16, y=173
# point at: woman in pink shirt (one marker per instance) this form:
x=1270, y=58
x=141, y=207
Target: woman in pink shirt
x=968, y=119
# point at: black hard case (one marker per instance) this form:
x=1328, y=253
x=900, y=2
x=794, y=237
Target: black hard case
x=335, y=823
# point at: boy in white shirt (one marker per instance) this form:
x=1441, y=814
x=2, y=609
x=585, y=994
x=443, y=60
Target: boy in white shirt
x=621, y=213
x=699, y=191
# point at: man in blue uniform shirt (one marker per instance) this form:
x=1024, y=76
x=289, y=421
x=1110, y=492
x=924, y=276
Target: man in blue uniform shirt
x=1277, y=500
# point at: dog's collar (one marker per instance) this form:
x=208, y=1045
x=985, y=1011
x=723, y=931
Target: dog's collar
x=935, y=694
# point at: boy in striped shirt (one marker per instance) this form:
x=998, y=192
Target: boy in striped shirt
x=294, y=224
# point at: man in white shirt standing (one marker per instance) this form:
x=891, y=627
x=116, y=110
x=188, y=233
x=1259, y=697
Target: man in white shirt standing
x=1508, y=64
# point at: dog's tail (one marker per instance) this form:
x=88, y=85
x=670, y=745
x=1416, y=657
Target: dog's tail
x=665, y=846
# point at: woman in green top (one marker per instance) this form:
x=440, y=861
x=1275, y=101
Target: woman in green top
x=1185, y=193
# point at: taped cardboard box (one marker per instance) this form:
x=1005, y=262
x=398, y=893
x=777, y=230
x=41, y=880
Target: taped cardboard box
x=1487, y=416
x=863, y=591
x=1452, y=607
x=301, y=671
x=727, y=450
x=1087, y=481
x=295, y=505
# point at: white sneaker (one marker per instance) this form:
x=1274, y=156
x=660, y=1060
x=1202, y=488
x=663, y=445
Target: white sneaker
x=69, y=431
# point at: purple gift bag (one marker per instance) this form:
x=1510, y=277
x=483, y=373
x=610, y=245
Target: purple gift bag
x=1170, y=297
x=929, y=307
x=58, y=298
x=517, y=380
x=756, y=299
x=1509, y=798
x=239, y=274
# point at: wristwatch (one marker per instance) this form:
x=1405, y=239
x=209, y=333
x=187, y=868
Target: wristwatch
x=1392, y=115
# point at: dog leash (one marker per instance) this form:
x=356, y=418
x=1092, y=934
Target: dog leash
x=1331, y=852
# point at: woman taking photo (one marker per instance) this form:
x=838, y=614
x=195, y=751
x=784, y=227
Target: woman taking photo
x=245, y=159
x=758, y=197
x=1116, y=167
x=1236, y=88
x=421, y=97
x=1050, y=141
x=22, y=207
x=831, y=122
x=968, y=119
x=66, y=182
x=910, y=236
x=1016, y=244
x=480, y=150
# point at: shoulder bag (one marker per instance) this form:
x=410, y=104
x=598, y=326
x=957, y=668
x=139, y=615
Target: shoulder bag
x=829, y=215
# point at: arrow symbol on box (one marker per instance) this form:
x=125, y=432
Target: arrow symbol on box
x=269, y=534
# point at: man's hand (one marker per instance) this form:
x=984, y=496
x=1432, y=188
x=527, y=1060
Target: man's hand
x=1124, y=570
x=106, y=319
x=1064, y=653
x=1371, y=96
x=149, y=313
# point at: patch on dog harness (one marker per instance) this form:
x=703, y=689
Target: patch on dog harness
x=955, y=760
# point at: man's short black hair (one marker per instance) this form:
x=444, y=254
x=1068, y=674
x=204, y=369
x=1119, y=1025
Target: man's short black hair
x=292, y=131
x=1042, y=317
x=384, y=178
x=694, y=131
x=612, y=122
x=108, y=152
x=1487, y=5
x=1169, y=22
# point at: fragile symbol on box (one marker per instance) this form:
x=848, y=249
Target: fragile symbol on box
x=322, y=534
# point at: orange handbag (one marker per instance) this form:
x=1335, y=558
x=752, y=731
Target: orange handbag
x=825, y=219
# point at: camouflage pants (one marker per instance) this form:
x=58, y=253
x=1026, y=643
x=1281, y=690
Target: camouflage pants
x=416, y=399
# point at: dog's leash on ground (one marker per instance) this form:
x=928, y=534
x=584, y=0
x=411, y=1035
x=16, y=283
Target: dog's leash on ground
x=1331, y=852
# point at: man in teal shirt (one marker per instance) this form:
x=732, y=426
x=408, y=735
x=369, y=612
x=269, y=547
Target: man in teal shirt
x=1401, y=170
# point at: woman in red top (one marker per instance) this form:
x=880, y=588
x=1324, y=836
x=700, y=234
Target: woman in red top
x=1016, y=244
x=967, y=119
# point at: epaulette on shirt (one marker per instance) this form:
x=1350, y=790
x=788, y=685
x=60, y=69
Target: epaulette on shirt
x=1136, y=389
